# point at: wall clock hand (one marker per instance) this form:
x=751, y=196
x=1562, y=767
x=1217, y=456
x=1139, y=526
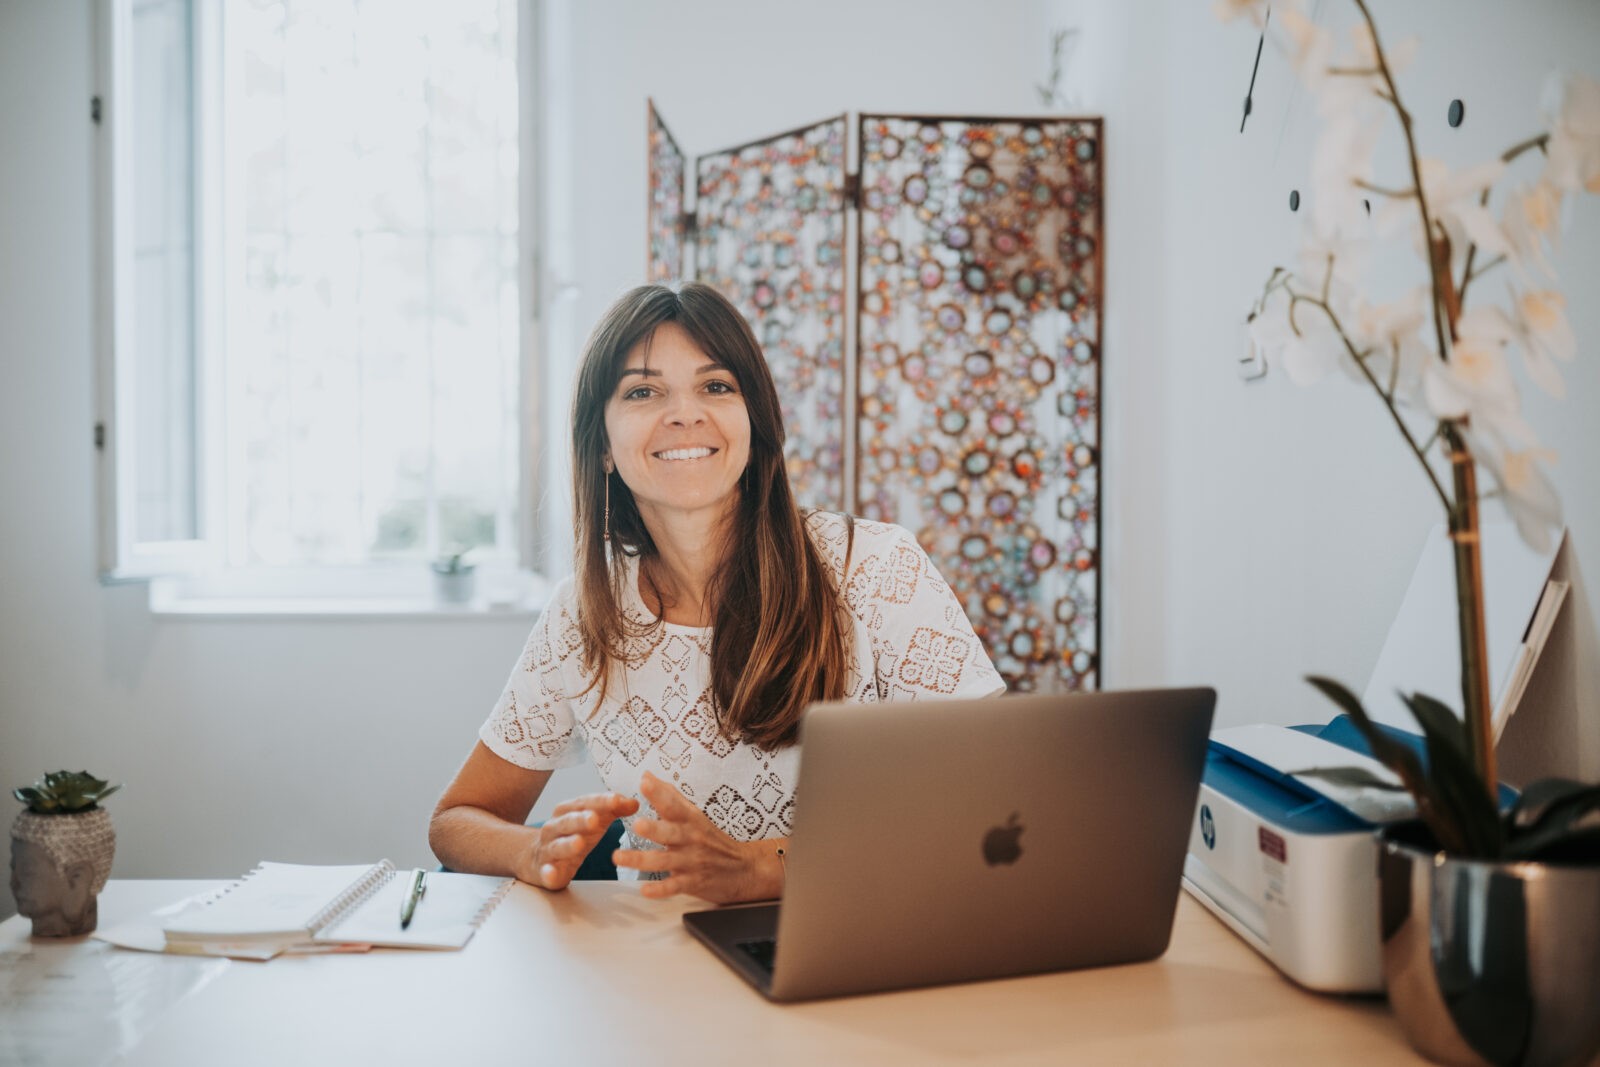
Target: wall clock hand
x=1255, y=68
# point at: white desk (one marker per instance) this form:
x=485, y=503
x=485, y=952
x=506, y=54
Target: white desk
x=599, y=975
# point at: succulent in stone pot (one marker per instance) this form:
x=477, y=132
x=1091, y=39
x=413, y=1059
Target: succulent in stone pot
x=61, y=850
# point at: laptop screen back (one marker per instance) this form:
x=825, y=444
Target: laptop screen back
x=951, y=840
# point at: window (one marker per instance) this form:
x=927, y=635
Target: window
x=313, y=344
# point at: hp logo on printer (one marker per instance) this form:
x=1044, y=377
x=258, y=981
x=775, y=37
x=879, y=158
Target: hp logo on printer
x=1208, y=828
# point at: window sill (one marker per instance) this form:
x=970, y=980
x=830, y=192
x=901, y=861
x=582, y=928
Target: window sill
x=343, y=593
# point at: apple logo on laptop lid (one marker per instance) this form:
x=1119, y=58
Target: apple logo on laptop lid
x=1001, y=844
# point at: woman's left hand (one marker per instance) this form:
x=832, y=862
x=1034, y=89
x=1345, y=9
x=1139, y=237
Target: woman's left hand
x=699, y=858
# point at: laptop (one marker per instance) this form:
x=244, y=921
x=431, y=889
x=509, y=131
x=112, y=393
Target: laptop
x=954, y=840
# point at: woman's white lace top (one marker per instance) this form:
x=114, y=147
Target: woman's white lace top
x=911, y=639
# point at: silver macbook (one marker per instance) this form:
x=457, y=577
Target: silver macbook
x=952, y=840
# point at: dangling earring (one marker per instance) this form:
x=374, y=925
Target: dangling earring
x=607, y=519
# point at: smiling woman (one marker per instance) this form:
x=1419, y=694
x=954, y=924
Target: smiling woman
x=706, y=614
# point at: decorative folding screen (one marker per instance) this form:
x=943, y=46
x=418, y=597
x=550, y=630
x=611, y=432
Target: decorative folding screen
x=769, y=235
x=975, y=358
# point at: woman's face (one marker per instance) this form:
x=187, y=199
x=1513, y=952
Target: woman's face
x=679, y=431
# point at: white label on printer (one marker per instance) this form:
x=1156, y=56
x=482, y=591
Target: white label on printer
x=1274, y=864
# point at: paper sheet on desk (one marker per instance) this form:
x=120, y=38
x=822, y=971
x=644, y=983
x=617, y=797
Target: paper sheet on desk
x=146, y=935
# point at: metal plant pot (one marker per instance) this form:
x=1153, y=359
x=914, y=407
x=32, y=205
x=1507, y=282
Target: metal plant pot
x=1490, y=963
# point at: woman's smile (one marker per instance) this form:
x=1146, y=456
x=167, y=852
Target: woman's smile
x=679, y=455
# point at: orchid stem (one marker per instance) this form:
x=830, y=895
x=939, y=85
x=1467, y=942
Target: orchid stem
x=1464, y=530
x=1396, y=194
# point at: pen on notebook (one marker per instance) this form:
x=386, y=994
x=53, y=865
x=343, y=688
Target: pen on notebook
x=414, y=894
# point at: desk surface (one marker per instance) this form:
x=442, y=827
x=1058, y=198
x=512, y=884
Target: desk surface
x=599, y=975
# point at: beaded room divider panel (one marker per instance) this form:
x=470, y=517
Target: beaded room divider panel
x=664, y=210
x=976, y=355
x=978, y=372
x=769, y=235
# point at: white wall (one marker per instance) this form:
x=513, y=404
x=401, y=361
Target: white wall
x=1253, y=533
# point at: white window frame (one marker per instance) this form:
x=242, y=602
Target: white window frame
x=195, y=577
x=122, y=556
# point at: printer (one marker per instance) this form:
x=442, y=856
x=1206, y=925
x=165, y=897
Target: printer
x=1288, y=860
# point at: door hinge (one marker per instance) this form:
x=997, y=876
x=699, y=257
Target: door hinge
x=100, y=436
x=94, y=109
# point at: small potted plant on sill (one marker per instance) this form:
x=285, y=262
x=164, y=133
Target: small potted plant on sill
x=62, y=844
x=453, y=578
x=1490, y=920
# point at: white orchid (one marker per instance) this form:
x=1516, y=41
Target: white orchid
x=1343, y=83
x=1525, y=489
x=1425, y=349
x=1390, y=336
x=1441, y=367
x=1531, y=224
x=1455, y=201
x=1341, y=162
x=1476, y=381
x=1544, y=335
x=1572, y=107
x=1228, y=10
x=1295, y=336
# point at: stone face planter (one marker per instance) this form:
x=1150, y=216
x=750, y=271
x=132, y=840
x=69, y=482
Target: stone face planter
x=1487, y=962
x=59, y=864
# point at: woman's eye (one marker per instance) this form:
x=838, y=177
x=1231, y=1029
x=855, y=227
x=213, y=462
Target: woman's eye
x=718, y=386
x=638, y=392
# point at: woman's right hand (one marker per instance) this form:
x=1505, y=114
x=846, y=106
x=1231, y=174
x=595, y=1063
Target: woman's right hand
x=570, y=834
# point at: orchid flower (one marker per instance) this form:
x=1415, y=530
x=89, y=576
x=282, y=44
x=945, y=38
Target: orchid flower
x=1392, y=336
x=1455, y=201
x=1228, y=10
x=1475, y=383
x=1544, y=334
x=1525, y=489
x=1572, y=107
x=1340, y=163
x=1531, y=225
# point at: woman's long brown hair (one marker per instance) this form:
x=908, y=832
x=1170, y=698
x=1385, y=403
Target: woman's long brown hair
x=779, y=637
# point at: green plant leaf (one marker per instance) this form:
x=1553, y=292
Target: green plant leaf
x=1537, y=798
x=1557, y=845
x=1441, y=818
x=1454, y=777
x=1356, y=777
x=1439, y=723
x=1558, y=824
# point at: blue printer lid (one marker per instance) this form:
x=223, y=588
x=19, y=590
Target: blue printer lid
x=1275, y=797
x=1285, y=802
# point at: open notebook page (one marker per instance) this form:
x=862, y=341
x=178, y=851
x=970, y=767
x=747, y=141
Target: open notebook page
x=446, y=916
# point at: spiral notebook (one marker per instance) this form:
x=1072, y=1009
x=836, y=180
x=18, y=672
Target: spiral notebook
x=284, y=904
